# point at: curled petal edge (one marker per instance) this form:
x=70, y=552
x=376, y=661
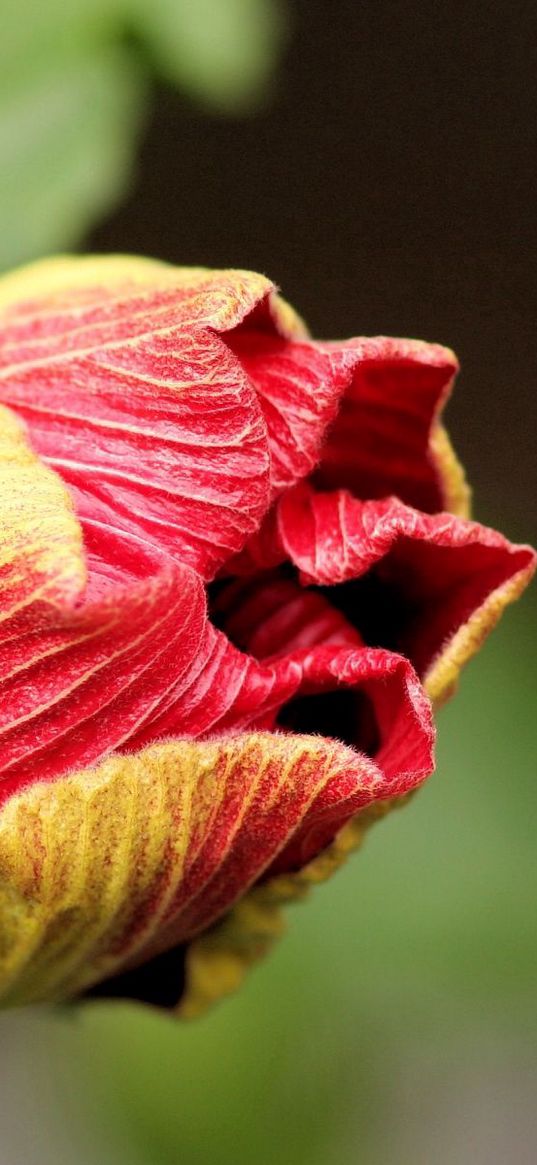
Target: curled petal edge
x=123, y=373
x=457, y=494
x=227, y=295
x=388, y=437
x=95, y=866
x=333, y=538
x=443, y=677
x=217, y=962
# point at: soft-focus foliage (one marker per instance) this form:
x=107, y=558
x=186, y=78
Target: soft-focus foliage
x=220, y=53
x=73, y=91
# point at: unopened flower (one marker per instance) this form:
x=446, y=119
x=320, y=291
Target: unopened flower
x=236, y=568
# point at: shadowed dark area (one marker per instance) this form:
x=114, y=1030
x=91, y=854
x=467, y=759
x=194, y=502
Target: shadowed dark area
x=344, y=715
x=388, y=187
x=378, y=610
x=159, y=982
x=376, y=607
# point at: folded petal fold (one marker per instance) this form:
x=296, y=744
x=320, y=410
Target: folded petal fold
x=429, y=586
x=329, y=682
x=133, y=397
x=299, y=386
x=387, y=437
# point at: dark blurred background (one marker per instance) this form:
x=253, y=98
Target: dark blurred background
x=381, y=170
x=389, y=187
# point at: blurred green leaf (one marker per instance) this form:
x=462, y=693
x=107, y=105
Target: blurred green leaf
x=73, y=86
x=33, y=30
x=67, y=133
x=221, y=53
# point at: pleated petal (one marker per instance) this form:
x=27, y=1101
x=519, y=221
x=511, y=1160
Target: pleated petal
x=100, y=635
x=110, y=865
x=365, y=412
x=78, y=679
x=120, y=369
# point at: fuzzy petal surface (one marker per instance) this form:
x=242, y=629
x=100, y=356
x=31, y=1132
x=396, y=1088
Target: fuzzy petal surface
x=120, y=369
x=110, y=865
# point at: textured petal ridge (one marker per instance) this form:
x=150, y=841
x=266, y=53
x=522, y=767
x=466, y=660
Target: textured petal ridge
x=121, y=370
x=109, y=865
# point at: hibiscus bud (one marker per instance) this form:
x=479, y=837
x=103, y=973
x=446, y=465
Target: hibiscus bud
x=237, y=569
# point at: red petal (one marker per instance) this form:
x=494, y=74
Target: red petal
x=77, y=680
x=401, y=732
x=436, y=577
x=384, y=440
x=299, y=387
x=378, y=398
x=275, y=810
x=131, y=396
